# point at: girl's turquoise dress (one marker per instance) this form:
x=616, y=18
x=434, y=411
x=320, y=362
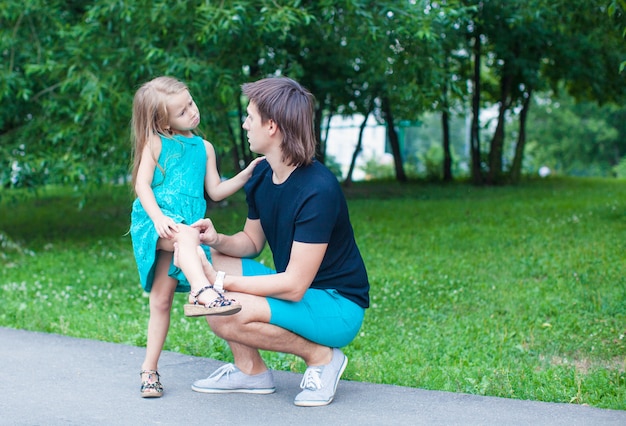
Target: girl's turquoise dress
x=178, y=186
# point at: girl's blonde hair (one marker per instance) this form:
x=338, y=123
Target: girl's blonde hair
x=150, y=114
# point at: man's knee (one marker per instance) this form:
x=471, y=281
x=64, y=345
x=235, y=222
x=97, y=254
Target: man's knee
x=255, y=310
x=225, y=327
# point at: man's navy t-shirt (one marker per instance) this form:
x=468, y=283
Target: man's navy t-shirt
x=310, y=207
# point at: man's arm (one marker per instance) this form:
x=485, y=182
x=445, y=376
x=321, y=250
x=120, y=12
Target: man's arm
x=246, y=243
x=303, y=266
x=304, y=262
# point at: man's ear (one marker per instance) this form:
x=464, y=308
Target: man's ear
x=272, y=127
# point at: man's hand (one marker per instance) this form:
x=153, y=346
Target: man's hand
x=208, y=269
x=208, y=233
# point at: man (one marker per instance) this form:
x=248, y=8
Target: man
x=314, y=303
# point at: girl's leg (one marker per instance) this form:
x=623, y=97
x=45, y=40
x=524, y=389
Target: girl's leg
x=188, y=240
x=161, y=297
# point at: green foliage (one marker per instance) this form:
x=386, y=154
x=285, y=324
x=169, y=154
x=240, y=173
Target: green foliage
x=510, y=292
x=374, y=170
x=432, y=161
x=573, y=138
x=68, y=70
x=333, y=166
x=617, y=10
x=620, y=169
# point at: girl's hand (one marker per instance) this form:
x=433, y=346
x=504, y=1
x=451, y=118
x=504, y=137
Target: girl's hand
x=247, y=172
x=165, y=227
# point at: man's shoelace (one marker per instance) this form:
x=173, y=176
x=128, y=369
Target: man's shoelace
x=225, y=369
x=312, y=379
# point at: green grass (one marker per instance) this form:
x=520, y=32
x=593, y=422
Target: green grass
x=516, y=292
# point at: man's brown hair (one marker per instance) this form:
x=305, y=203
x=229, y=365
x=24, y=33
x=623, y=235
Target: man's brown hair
x=291, y=107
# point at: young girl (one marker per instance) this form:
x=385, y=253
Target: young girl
x=172, y=168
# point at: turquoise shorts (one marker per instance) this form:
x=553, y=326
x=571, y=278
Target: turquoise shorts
x=322, y=316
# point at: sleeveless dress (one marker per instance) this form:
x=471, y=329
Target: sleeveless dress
x=178, y=187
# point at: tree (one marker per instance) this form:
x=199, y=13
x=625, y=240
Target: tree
x=78, y=64
x=69, y=70
x=452, y=65
x=525, y=45
x=405, y=82
x=323, y=56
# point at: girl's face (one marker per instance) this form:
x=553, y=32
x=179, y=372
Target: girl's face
x=183, y=113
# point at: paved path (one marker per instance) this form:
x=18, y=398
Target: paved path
x=47, y=379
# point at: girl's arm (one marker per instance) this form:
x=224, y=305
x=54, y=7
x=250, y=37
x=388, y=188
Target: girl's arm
x=164, y=225
x=215, y=187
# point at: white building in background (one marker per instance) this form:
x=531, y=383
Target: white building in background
x=343, y=137
x=415, y=139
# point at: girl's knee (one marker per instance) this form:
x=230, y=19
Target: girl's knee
x=160, y=302
x=160, y=308
x=187, y=236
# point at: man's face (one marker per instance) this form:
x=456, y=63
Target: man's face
x=258, y=133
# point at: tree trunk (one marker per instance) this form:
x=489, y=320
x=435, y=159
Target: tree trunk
x=357, y=150
x=445, y=126
x=234, y=149
x=447, y=155
x=476, y=166
x=394, y=141
x=324, y=143
x=239, y=153
x=319, y=151
x=497, y=142
x=516, y=167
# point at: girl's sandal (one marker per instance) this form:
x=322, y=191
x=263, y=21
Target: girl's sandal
x=219, y=306
x=149, y=388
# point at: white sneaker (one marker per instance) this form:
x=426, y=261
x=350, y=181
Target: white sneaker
x=229, y=379
x=320, y=382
